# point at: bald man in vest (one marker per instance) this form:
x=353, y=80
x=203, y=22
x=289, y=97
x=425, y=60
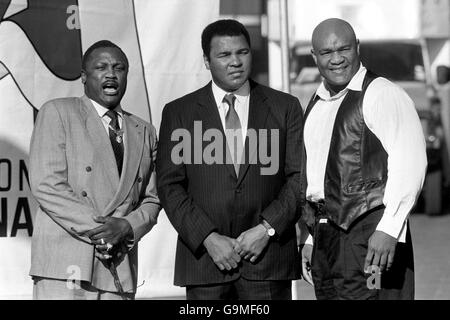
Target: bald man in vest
x=365, y=167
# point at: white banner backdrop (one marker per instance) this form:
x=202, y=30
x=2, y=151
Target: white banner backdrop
x=40, y=52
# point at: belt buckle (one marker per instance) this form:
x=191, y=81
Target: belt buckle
x=320, y=206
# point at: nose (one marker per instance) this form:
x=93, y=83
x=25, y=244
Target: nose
x=235, y=61
x=336, y=58
x=111, y=72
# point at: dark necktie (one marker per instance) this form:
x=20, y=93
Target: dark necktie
x=116, y=138
x=233, y=129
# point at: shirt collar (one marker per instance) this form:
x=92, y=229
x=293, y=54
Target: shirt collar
x=101, y=110
x=241, y=94
x=355, y=84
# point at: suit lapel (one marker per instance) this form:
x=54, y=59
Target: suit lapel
x=211, y=120
x=257, y=116
x=100, y=141
x=134, y=142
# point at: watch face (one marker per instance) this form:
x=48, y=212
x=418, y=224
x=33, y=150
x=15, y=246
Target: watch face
x=271, y=232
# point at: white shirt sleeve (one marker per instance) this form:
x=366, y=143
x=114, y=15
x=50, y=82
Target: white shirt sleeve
x=391, y=115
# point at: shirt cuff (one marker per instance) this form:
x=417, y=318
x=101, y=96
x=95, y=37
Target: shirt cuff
x=129, y=242
x=393, y=226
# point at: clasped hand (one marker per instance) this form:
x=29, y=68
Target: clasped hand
x=227, y=252
x=110, y=235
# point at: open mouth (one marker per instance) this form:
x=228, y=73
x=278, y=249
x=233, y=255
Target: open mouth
x=110, y=87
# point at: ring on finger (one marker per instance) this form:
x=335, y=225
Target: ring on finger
x=109, y=246
x=102, y=241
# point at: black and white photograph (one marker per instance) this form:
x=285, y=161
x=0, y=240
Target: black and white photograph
x=216, y=157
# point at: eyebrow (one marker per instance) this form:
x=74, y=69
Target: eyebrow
x=237, y=50
x=335, y=49
x=107, y=62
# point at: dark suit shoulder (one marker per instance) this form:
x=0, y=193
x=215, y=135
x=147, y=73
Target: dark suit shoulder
x=273, y=93
x=277, y=100
x=192, y=98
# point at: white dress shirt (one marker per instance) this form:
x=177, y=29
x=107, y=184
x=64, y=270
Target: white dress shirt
x=241, y=105
x=390, y=114
x=101, y=110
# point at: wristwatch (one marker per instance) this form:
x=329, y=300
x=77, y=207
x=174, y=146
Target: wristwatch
x=269, y=229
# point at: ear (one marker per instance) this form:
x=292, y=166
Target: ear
x=83, y=77
x=206, y=61
x=357, y=46
x=314, y=56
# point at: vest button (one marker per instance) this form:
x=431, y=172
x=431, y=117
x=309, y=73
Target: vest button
x=139, y=179
x=88, y=169
x=84, y=193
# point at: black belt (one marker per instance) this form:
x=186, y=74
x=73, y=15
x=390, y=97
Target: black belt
x=314, y=210
x=317, y=206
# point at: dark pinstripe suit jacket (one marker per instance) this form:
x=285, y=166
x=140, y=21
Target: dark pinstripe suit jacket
x=201, y=198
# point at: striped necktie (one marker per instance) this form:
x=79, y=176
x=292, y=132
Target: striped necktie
x=116, y=138
x=233, y=131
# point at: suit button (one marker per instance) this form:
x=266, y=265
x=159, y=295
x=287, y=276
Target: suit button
x=238, y=190
x=83, y=193
x=139, y=179
x=88, y=169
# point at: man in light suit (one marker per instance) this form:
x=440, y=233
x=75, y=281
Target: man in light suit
x=235, y=219
x=92, y=173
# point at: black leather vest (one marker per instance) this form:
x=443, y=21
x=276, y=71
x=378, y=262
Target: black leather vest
x=356, y=170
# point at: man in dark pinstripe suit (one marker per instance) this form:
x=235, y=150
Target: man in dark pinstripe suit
x=232, y=199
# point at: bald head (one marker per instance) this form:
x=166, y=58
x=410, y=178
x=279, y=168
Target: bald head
x=335, y=26
x=336, y=53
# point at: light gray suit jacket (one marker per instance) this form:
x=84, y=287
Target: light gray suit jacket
x=74, y=176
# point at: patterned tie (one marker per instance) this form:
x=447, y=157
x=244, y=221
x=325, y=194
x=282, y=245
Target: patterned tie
x=233, y=129
x=116, y=138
